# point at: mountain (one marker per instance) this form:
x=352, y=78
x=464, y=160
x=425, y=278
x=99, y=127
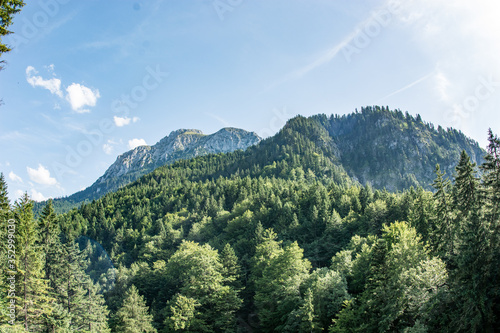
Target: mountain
x=392, y=150
x=179, y=144
x=376, y=146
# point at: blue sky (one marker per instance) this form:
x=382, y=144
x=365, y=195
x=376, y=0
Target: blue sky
x=88, y=80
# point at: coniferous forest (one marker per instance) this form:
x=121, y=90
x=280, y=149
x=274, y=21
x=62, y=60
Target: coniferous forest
x=246, y=242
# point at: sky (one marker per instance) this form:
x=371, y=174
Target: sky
x=88, y=80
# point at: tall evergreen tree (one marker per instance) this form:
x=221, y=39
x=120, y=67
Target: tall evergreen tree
x=5, y=213
x=49, y=237
x=231, y=268
x=465, y=190
x=470, y=278
x=32, y=300
x=491, y=193
x=444, y=231
x=133, y=316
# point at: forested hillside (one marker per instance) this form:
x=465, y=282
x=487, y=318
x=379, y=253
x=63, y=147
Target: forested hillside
x=178, y=145
x=376, y=146
x=394, y=150
x=277, y=238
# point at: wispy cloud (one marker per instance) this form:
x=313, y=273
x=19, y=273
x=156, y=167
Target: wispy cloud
x=15, y=178
x=331, y=53
x=108, y=147
x=53, y=85
x=442, y=86
x=123, y=121
x=408, y=86
x=78, y=95
x=220, y=119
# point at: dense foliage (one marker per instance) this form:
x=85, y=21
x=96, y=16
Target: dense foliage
x=387, y=149
x=274, y=240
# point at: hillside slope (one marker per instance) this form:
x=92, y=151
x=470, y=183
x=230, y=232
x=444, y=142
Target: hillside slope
x=395, y=150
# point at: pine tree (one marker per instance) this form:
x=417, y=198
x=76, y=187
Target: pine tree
x=231, y=268
x=303, y=319
x=49, y=237
x=4, y=201
x=51, y=246
x=133, y=316
x=491, y=194
x=95, y=318
x=277, y=274
x=470, y=278
x=465, y=191
x=444, y=232
x=5, y=213
x=32, y=299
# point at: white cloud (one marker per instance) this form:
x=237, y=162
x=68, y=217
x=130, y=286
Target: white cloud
x=80, y=96
x=53, y=85
x=107, y=148
x=37, y=196
x=19, y=193
x=15, y=178
x=136, y=143
x=442, y=86
x=119, y=121
x=41, y=175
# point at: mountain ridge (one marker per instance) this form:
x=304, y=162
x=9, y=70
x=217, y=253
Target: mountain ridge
x=179, y=144
x=376, y=146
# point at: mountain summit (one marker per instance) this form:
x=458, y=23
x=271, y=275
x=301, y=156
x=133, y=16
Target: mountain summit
x=179, y=144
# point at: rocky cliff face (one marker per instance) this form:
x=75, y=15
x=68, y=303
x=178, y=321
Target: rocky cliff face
x=180, y=144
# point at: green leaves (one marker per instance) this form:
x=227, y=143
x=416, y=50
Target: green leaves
x=8, y=8
x=400, y=287
x=199, y=279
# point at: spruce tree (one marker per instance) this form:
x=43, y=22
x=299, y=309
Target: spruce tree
x=49, y=237
x=32, y=300
x=444, y=231
x=51, y=245
x=231, y=269
x=5, y=214
x=491, y=193
x=465, y=190
x=94, y=317
x=470, y=278
x=133, y=316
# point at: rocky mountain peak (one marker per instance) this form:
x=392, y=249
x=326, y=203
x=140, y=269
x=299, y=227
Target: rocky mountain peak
x=179, y=144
